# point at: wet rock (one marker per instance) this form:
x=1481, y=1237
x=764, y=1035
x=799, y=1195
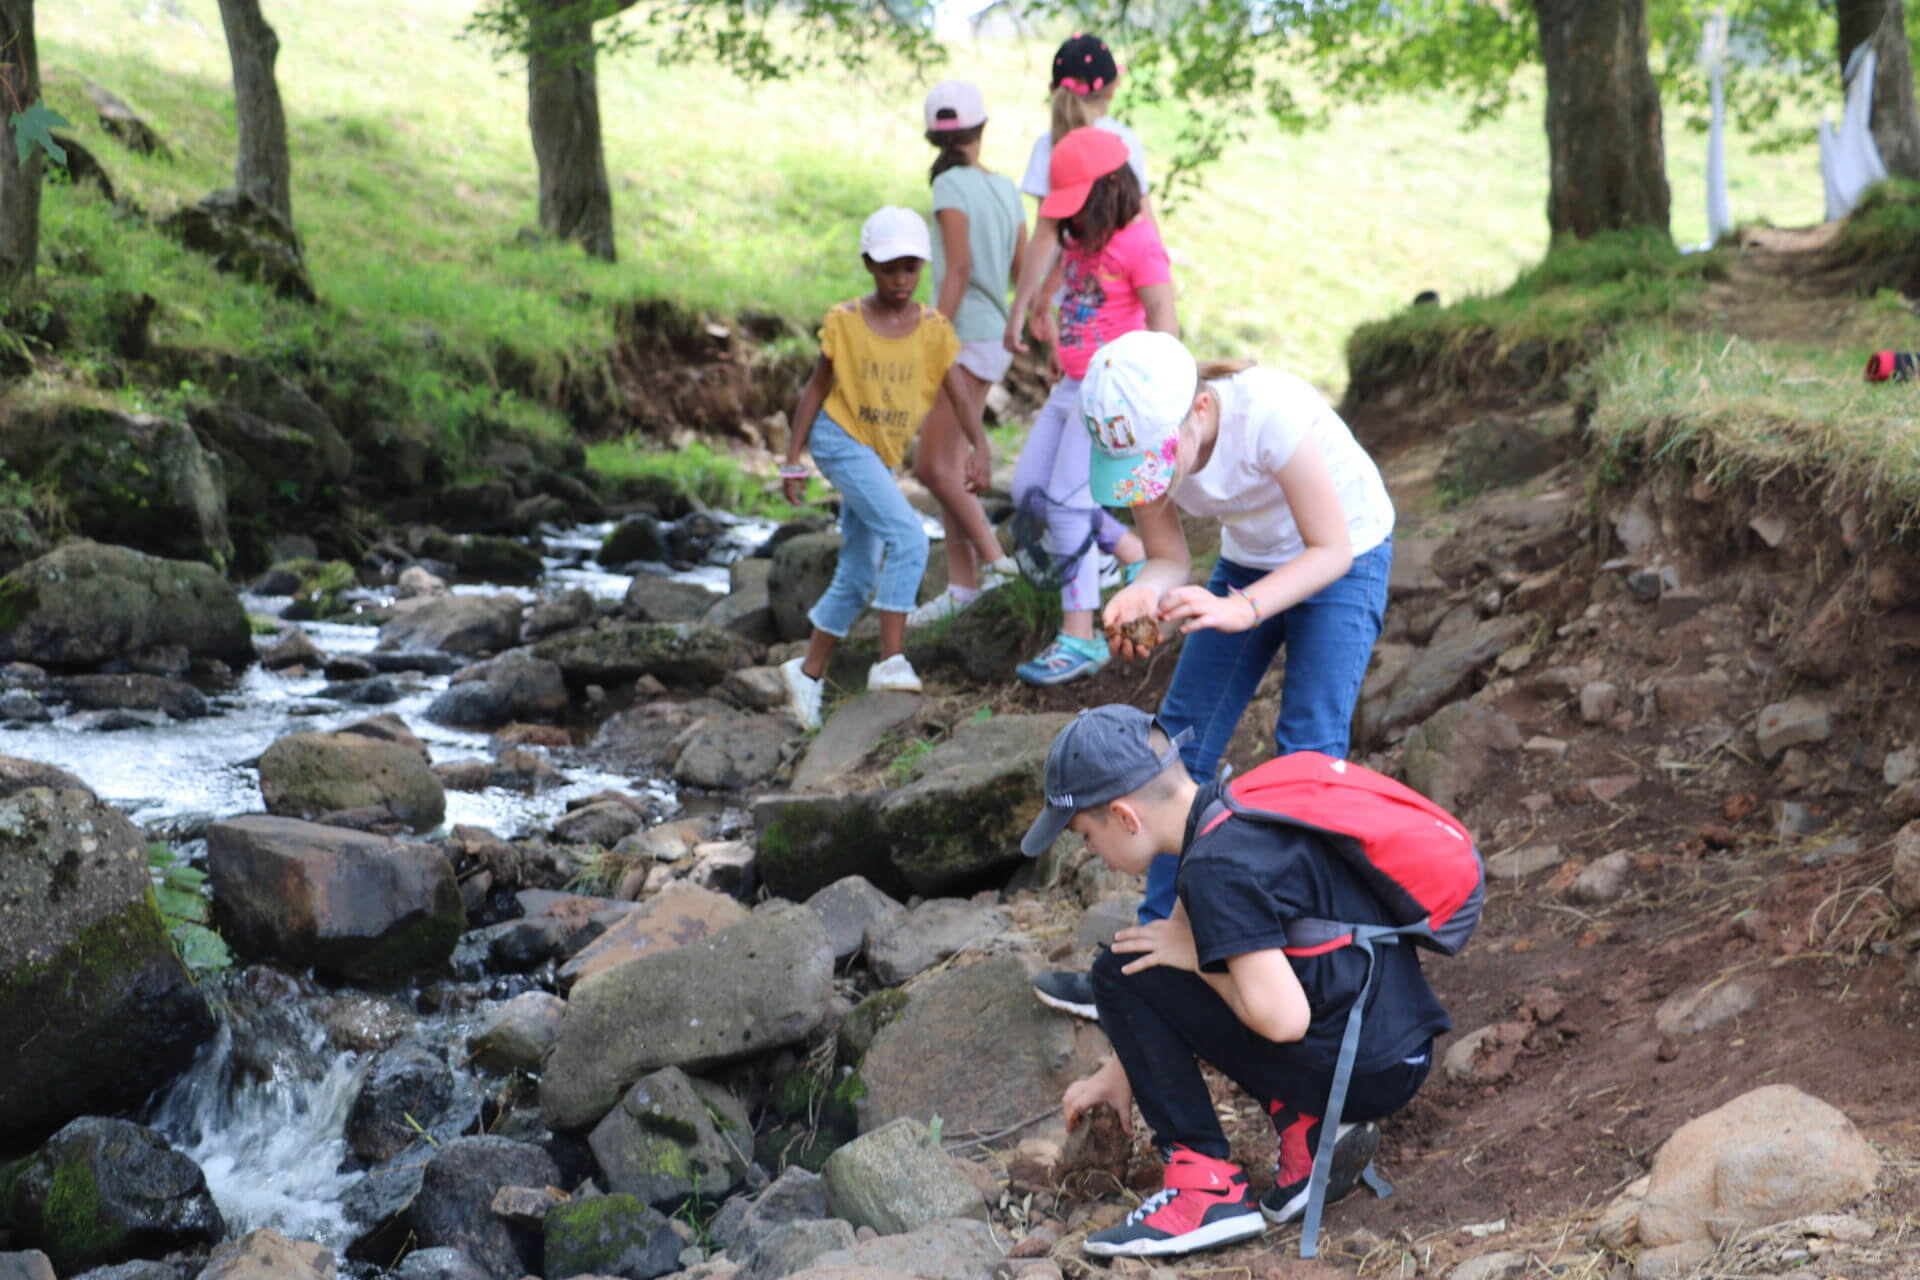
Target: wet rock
x=653, y=598
x=86, y=604
x=614, y=1235
x=296, y=649
x=1603, y=882
x=603, y=824
x=117, y=721
x=514, y=686
x=517, y=1034
x=848, y=908
x=415, y=581
x=983, y=1012
x=455, y=624
x=896, y=1179
x=349, y=666
x=512, y=946
x=1769, y=1155
x=267, y=1255
x=952, y=1249
x=802, y=567
x=638, y=537
x=244, y=235
x=575, y=608
x=358, y=905
x=1451, y=755
x=305, y=775
x=902, y=946
x=968, y=801
x=85, y=960
x=360, y=1023
x=850, y=735
x=635, y=740
x=725, y=866
x=1690, y=1012
x=376, y=692
x=20, y=706
x=439, y=1264
x=455, y=1205
x=406, y=1085
x=661, y=1145
x=126, y=479
x=682, y=653
x=1792, y=723
x=734, y=752
x=679, y=915
x=102, y=1191
x=756, y=986
x=790, y=1249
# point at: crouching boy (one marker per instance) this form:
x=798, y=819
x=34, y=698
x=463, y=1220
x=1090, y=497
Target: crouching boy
x=1227, y=980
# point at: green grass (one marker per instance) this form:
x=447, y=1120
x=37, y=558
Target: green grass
x=1530, y=335
x=1879, y=245
x=717, y=479
x=1744, y=413
x=412, y=174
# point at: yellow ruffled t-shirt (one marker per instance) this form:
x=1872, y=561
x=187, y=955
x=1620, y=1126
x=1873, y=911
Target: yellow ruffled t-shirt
x=883, y=387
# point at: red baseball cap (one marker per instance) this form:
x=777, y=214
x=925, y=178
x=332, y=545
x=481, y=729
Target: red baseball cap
x=1080, y=159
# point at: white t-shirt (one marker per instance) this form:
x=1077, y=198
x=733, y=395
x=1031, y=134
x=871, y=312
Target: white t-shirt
x=1264, y=415
x=1034, y=182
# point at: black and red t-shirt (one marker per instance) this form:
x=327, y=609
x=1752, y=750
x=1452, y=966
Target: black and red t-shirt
x=1242, y=882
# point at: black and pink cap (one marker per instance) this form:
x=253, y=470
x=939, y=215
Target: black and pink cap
x=1085, y=65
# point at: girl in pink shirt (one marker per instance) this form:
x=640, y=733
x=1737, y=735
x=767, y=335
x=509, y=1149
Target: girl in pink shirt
x=1116, y=280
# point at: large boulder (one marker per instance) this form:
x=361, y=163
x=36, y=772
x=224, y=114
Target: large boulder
x=406, y=1089
x=951, y=1249
x=86, y=604
x=802, y=568
x=926, y=1061
x=615, y=1235
x=850, y=735
x=307, y=775
x=455, y=624
x=102, y=1191
x=129, y=479
x=901, y=946
x=516, y=686
x=848, y=908
x=454, y=1207
x=675, y=653
x=897, y=1179
x=652, y=598
x=678, y=916
x=662, y=1144
x=247, y=236
x=762, y=984
x=1454, y=753
x=968, y=801
x=734, y=752
x=85, y=960
x=1769, y=1155
x=136, y=692
x=362, y=906
x=807, y=842
x=267, y=1255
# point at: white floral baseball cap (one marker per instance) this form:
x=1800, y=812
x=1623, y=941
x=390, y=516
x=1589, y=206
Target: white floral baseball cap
x=1139, y=388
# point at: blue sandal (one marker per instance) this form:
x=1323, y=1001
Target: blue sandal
x=1067, y=659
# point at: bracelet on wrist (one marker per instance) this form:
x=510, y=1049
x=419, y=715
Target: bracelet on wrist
x=794, y=471
x=1251, y=602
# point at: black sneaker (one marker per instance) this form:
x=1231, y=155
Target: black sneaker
x=1353, y=1152
x=1068, y=992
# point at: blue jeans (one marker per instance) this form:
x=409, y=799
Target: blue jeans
x=881, y=536
x=1329, y=641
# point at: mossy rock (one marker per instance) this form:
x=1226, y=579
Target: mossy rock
x=678, y=653
x=613, y=1235
x=858, y=1029
x=323, y=586
x=806, y=842
x=85, y=604
x=104, y=1191
x=486, y=557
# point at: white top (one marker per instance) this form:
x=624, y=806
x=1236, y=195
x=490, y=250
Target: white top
x=1034, y=181
x=1264, y=415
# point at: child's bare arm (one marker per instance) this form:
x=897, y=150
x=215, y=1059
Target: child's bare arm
x=1265, y=994
x=980, y=461
x=1162, y=314
x=812, y=396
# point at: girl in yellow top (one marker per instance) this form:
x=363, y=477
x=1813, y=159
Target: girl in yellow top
x=883, y=360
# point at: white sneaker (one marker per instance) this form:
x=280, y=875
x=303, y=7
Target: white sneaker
x=803, y=693
x=892, y=675
x=998, y=574
x=942, y=606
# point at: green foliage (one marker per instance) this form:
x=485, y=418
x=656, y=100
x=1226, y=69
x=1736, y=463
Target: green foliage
x=910, y=755
x=34, y=128
x=715, y=478
x=1879, y=244
x=179, y=889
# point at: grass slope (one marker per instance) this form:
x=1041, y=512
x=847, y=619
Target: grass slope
x=413, y=173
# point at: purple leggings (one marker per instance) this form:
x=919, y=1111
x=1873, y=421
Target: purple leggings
x=1054, y=462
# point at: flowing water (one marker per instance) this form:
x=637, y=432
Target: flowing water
x=264, y=1107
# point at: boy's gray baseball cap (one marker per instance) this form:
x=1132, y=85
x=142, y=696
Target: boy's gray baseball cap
x=1104, y=754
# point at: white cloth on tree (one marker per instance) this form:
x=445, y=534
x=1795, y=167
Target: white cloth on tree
x=1849, y=160
x=1713, y=51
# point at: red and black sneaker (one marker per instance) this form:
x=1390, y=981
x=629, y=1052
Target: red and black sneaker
x=1203, y=1203
x=1353, y=1150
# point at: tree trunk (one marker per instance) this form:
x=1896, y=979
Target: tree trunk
x=1895, y=123
x=1607, y=159
x=263, y=169
x=563, y=114
x=19, y=180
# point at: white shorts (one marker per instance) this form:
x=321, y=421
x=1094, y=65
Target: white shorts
x=987, y=361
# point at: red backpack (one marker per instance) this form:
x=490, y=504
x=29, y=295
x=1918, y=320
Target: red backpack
x=1417, y=859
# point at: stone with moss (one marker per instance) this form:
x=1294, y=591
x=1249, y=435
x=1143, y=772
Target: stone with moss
x=679, y=653
x=661, y=1144
x=322, y=590
x=308, y=775
x=857, y=1030
x=84, y=960
x=613, y=1235
x=103, y=1191
x=487, y=557
x=808, y=842
x=86, y=604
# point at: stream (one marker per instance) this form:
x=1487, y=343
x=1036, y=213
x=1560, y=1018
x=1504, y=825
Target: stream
x=264, y=1107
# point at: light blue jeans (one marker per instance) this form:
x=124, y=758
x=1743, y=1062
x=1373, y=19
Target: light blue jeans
x=1328, y=639
x=881, y=537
